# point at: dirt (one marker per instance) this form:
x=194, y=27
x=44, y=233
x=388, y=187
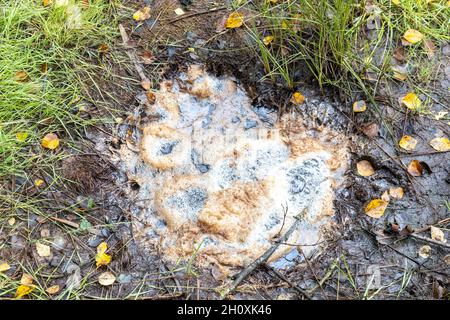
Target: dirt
x=376, y=252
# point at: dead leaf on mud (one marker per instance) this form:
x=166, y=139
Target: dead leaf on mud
x=102, y=258
x=23, y=290
x=430, y=48
x=396, y=193
x=142, y=14
x=399, y=54
x=106, y=278
x=268, y=40
x=26, y=280
x=21, y=76
x=370, y=130
x=359, y=106
x=407, y=142
x=11, y=221
x=234, y=20
x=53, y=289
x=399, y=72
x=437, y=234
x=376, y=208
x=103, y=48
x=50, y=141
x=411, y=101
x=146, y=84
x=440, y=144
x=147, y=57
x=412, y=36
x=447, y=259
x=425, y=251
x=385, y=196
x=4, y=266
x=415, y=168
x=365, y=168
x=297, y=98
x=74, y=280
x=43, y=250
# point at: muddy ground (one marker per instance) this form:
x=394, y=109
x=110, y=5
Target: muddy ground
x=360, y=253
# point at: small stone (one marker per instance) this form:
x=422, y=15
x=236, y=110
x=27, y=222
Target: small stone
x=94, y=241
x=124, y=278
x=59, y=242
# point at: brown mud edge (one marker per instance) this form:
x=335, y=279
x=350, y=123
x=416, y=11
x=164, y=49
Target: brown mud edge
x=220, y=181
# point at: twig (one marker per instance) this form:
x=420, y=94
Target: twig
x=426, y=239
x=285, y=279
x=263, y=258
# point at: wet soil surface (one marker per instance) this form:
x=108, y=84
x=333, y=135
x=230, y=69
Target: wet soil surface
x=359, y=253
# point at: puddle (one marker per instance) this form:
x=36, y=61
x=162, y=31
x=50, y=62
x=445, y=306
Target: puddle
x=220, y=180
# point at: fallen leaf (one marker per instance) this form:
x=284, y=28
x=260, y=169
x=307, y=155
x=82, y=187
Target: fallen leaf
x=399, y=54
x=376, y=208
x=147, y=57
x=50, y=141
x=400, y=73
x=103, y=48
x=38, y=182
x=411, y=101
x=415, y=168
x=53, y=289
x=297, y=98
x=365, y=168
x=21, y=76
x=151, y=98
x=437, y=234
x=413, y=36
x=43, y=250
x=440, y=144
x=142, y=14
x=407, y=142
x=46, y=3
x=406, y=231
x=268, y=40
x=4, y=266
x=11, y=221
x=424, y=251
x=430, y=48
x=396, y=193
x=26, y=280
x=101, y=258
x=440, y=115
x=284, y=25
x=447, y=259
x=23, y=290
x=179, y=11
x=359, y=106
x=74, y=280
x=370, y=130
x=235, y=20
x=106, y=278
x=21, y=136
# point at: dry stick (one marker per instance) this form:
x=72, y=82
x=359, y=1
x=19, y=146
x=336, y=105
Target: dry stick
x=426, y=239
x=285, y=279
x=131, y=54
x=312, y=270
x=197, y=14
x=263, y=258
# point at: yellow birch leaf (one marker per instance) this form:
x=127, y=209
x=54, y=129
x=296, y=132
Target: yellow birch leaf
x=38, y=182
x=359, y=106
x=102, y=247
x=50, y=141
x=23, y=290
x=53, y=289
x=413, y=36
x=106, y=278
x=440, y=144
x=142, y=14
x=407, y=142
x=11, y=221
x=415, y=168
x=26, y=280
x=376, y=208
x=235, y=20
x=437, y=234
x=4, y=266
x=411, y=101
x=297, y=98
x=21, y=136
x=365, y=168
x=268, y=40
x=396, y=193
x=21, y=76
x=102, y=259
x=47, y=2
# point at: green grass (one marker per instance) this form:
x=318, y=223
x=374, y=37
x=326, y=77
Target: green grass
x=330, y=38
x=35, y=38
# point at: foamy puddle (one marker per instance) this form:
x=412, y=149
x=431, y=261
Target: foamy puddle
x=220, y=181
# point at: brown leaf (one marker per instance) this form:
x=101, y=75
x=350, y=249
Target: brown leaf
x=53, y=289
x=399, y=54
x=376, y=208
x=396, y=193
x=415, y=168
x=430, y=47
x=147, y=57
x=437, y=234
x=370, y=130
x=146, y=84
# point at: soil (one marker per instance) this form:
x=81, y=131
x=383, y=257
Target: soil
x=376, y=252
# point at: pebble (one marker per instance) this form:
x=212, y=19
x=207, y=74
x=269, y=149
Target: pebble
x=94, y=241
x=59, y=242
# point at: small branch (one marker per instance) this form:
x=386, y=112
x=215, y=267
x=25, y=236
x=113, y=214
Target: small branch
x=187, y=16
x=263, y=258
x=426, y=239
